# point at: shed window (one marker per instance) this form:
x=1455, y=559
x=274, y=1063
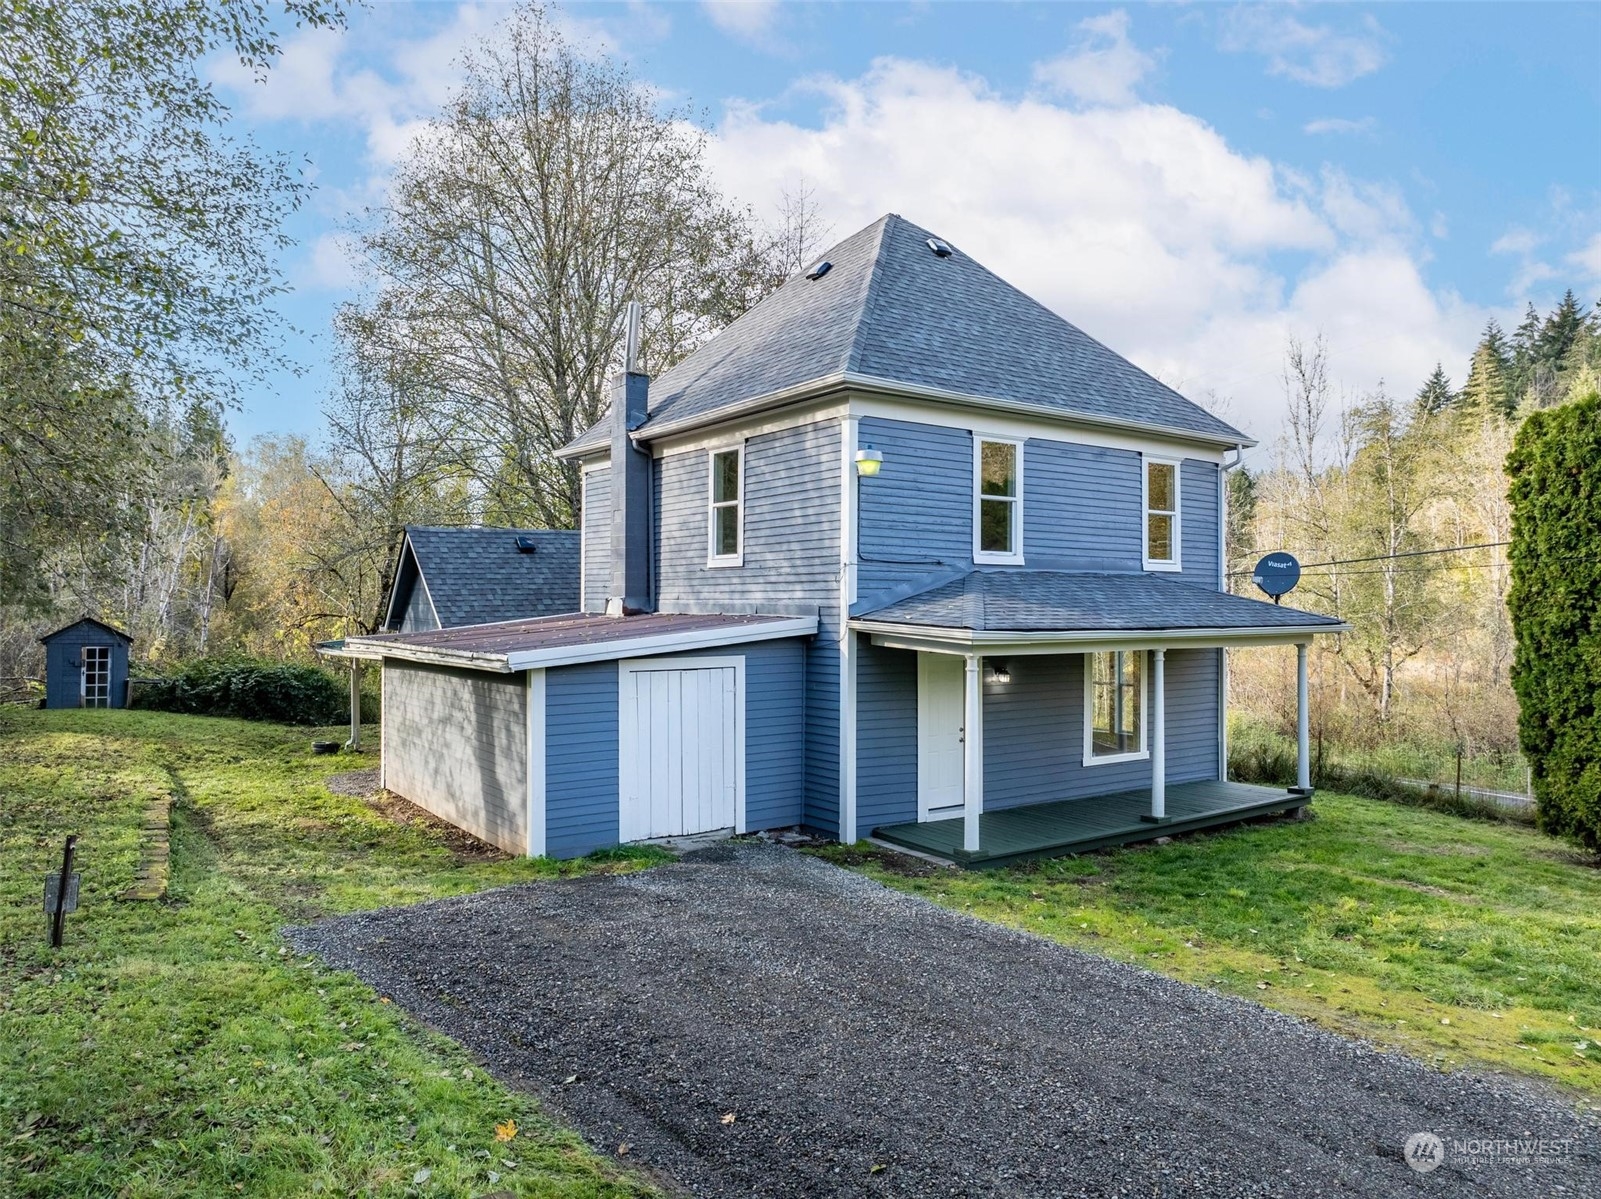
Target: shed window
x=1114, y=706
x=727, y=506
x=1161, y=514
x=998, y=501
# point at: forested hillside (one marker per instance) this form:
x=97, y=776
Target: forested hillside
x=1397, y=505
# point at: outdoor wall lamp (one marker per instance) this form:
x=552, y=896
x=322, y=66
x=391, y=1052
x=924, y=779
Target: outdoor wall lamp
x=999, y=672
x=868, y=460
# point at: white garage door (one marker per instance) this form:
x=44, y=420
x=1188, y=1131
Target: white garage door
x=681, y=739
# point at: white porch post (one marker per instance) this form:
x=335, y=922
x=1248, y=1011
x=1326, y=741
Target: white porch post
x=355, y=705
x=972, y=751
x=1158, y=735
x=1303, y=737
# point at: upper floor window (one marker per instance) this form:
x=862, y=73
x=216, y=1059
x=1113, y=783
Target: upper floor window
x=997, y=500
x=1161, y=514
x=1114, y=705
x=726, y=516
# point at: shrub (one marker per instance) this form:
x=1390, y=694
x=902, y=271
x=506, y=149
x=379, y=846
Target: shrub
x=282, y=692
x=1257, y=756
x=1555, y=603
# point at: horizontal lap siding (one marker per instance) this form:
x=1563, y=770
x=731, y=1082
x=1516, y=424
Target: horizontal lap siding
x=581, y=745
x=1198, y=521
x=595, y=521
x=791, y=565
x=1081, y=506
x=64, y=665
x=1081, y=502
x=1034, y=731
x=886, y=736
x=456, y=743
x=916, y=514
x=1192, y=714
x=581, y=781
x=775, y=720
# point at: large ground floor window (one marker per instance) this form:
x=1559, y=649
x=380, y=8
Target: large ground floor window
x=1114, y=706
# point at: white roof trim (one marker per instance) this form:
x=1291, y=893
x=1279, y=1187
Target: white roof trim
x=602, y=651
x=938, y=639
x=653, y=431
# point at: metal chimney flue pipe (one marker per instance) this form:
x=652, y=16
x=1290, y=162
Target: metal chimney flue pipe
x=631, y=341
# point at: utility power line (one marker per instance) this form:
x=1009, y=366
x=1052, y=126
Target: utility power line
x=1450, y=549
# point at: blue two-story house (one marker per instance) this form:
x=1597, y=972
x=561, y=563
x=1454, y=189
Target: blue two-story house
x=899, y=553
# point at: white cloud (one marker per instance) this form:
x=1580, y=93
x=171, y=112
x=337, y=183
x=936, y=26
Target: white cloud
x=1103, y=66
x=1588, y=257
x=1339, y=125
x=1140, y=224
x=1316, y=55
x=331, y=264
x=750, y=20
x=1516, y=240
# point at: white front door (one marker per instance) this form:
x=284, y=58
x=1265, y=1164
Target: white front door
x=940, y=790
x=681, y=747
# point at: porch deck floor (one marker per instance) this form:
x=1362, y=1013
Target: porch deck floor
x=1081, y=825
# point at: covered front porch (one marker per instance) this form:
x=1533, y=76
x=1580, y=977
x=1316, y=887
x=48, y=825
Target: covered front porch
x=1081, y=825
x=1045, y=658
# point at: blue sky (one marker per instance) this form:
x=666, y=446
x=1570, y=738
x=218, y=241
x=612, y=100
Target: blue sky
x=1193, y=184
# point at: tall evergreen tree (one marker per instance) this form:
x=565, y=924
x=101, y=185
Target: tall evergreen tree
x=1525, y=352
x=1565, y=326
x=1436, y=395
x=1488, y=388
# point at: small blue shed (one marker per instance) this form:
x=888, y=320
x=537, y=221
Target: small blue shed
x=86, y=666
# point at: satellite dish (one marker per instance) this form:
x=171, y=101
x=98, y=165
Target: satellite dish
x=1277, y=574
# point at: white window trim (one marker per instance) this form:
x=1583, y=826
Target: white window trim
x=991, y=557
x=1146, y=460
x=1091, y=758
x=713, y=558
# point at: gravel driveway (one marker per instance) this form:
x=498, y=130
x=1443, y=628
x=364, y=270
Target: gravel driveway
x=869, y=1043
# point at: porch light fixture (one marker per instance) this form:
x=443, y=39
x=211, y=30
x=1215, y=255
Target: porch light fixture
x=868, y=460
x=999, y=672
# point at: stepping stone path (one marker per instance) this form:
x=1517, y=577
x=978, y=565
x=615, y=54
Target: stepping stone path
x=155, y=854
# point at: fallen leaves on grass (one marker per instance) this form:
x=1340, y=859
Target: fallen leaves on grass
x=505, y=1130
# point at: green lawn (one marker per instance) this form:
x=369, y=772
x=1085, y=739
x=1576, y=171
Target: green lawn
x=1463, y=942
x=177, y=1048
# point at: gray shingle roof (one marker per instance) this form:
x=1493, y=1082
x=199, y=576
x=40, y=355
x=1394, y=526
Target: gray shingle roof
x=889, y=308
x=477, y=575
x=1037, y=601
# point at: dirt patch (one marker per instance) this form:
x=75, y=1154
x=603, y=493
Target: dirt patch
x=353, y=782
x=903, y=864
x=463, y=844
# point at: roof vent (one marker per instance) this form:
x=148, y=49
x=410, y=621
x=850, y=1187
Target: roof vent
x=941, y=249
x=526, y=544
x=821, y=269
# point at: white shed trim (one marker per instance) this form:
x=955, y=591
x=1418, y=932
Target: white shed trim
x=536, y=763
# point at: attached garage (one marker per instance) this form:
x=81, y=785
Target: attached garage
x=480, y=783
x=681, y=746
x=561, y=736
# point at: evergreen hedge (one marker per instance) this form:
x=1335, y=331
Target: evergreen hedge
x=1555, y=602
x=282, y=692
